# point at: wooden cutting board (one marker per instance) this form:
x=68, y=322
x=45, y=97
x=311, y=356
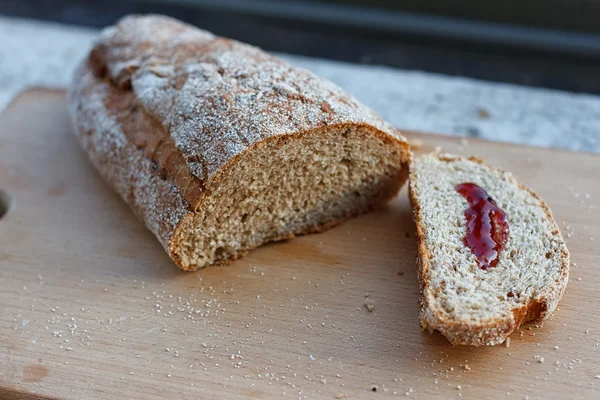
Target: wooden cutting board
x=91, y=306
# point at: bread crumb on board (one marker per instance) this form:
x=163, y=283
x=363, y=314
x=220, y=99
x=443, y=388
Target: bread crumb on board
x=483, y=113
x=415, y=144
x=370, y=304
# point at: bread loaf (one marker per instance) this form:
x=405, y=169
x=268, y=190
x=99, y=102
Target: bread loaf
x=469, y=301
x=220, y=147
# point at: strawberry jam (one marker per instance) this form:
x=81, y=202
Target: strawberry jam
x=487, y=227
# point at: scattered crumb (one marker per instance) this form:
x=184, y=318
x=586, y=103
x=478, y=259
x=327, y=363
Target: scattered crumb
x=339, y=396
x=415, y=144
x=507, y=342
x=483, y=114
x=401, y=272
x=466, y=367
x=370, y=304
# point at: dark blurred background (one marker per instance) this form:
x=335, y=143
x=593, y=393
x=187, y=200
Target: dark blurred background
x=545, y=43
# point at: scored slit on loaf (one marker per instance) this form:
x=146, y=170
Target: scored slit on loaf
x=468, y=304
x=220, y=147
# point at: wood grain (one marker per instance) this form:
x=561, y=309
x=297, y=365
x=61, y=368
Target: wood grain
x=91, y=307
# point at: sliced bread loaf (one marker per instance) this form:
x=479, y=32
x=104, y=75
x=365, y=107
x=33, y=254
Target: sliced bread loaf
x=473, y=294
x=220, y=147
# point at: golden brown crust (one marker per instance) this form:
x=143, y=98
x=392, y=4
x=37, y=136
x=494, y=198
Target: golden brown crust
x=155, y=200
x=494, y=332
x=148, y=135
x=164, y=109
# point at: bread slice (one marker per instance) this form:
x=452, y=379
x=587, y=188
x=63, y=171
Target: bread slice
x=220, y=147
x=468, y=304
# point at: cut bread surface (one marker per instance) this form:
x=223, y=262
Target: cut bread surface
x=467, y=304
x=289, y=186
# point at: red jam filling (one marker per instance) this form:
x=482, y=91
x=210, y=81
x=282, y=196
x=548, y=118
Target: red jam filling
x=487, y=227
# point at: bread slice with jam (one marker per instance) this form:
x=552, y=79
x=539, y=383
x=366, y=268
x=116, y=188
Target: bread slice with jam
x=490, y=255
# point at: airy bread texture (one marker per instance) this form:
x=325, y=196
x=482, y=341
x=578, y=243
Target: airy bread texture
x=220, y=147
x=290, y=186
x=467, y=304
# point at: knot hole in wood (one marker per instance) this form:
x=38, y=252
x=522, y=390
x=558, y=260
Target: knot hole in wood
x=5, y=203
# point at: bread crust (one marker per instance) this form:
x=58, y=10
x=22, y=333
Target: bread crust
x=496, y=331
x=164, y=110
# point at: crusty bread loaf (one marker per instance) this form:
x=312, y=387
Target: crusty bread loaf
x=220, y=147
x=466, y=303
